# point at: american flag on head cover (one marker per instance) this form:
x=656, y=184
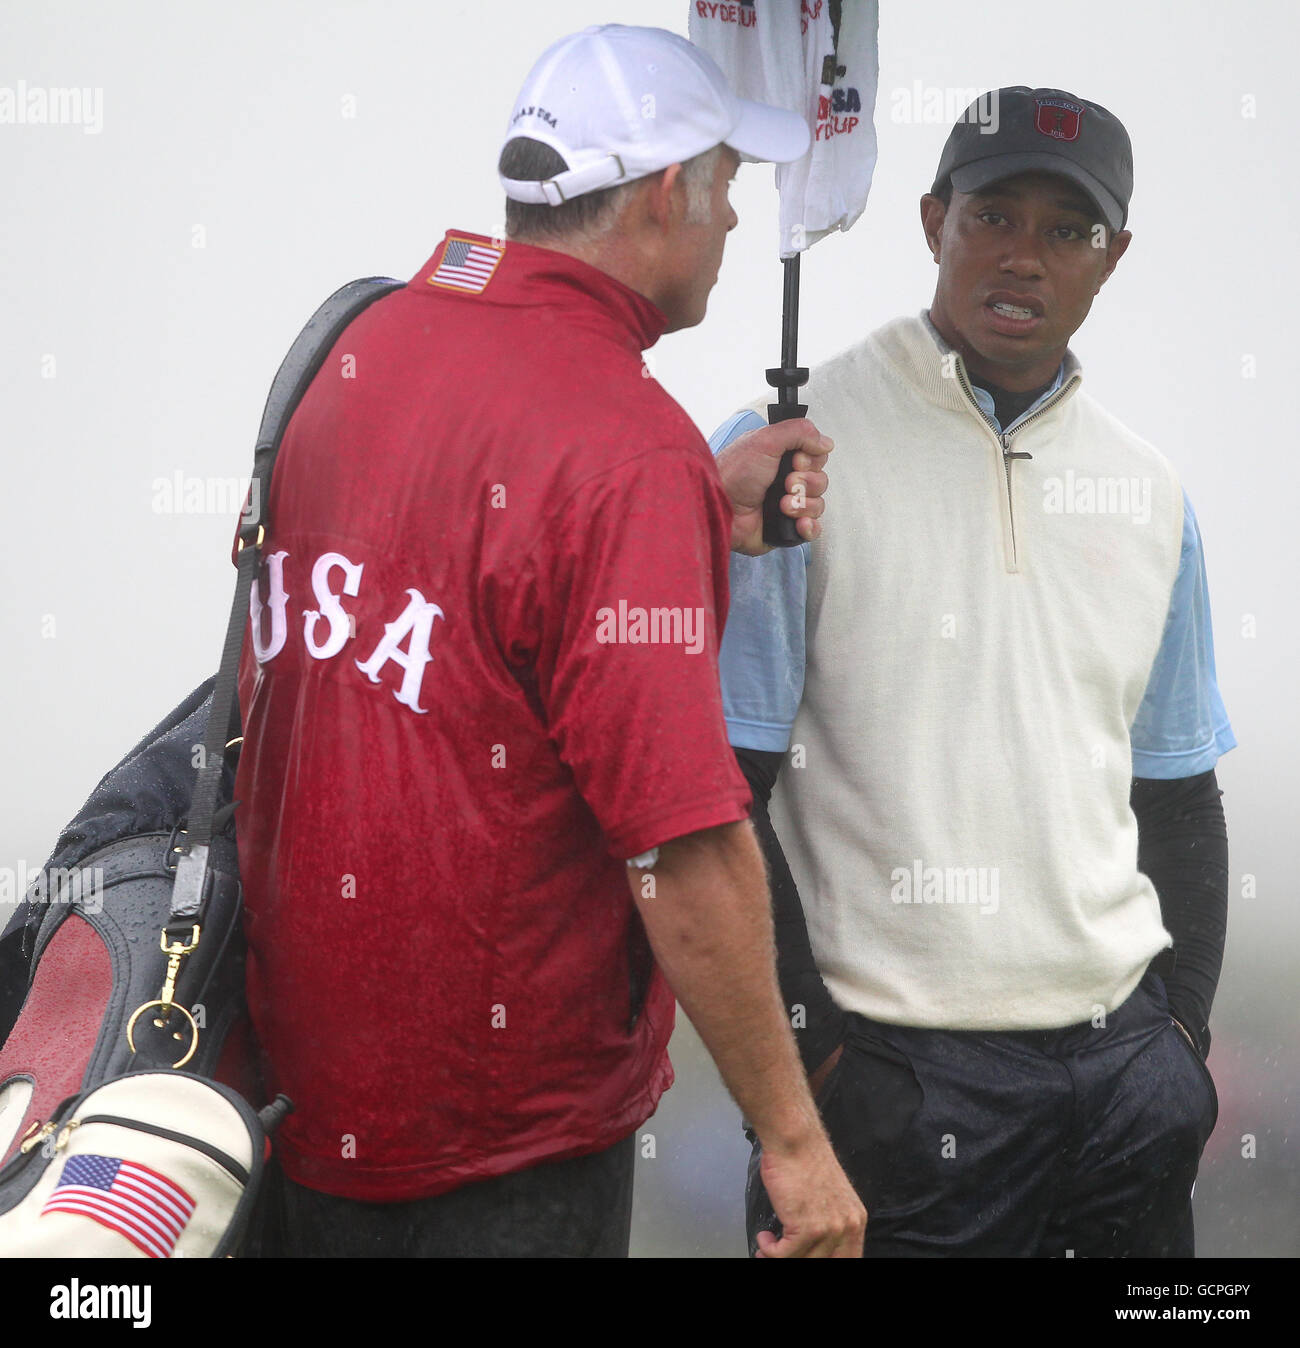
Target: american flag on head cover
x=467, y=265
x=147, y=1208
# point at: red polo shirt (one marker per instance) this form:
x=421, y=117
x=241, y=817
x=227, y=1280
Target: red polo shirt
x=487, y=627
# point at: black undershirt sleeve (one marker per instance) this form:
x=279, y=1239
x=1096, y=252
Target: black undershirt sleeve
x=1183, y=849
x=817, y=1021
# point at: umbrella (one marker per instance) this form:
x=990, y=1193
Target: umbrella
x=818, y=58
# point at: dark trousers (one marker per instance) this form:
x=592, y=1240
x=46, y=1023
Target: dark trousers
x=579, y=1208
x=1083, y=1141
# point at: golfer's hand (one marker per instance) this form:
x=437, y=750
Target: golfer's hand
x=749, y=463
x=820, y=1214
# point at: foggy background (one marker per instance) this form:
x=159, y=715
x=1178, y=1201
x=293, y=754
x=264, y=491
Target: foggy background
x=304, y=144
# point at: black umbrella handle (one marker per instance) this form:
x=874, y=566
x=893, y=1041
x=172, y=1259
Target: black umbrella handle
x=779, y=530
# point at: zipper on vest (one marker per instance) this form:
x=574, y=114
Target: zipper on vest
x=1009, y=531
x=1008, y=454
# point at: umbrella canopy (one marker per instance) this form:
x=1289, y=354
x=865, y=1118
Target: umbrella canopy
x=820, y=60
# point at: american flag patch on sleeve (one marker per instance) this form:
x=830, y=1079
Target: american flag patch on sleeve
x=147, y=1208
x=466, y=264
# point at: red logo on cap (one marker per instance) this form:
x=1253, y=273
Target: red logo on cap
x=1058, y=118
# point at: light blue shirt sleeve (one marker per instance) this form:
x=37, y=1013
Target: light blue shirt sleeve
x=761, y=661
x=1181, y=728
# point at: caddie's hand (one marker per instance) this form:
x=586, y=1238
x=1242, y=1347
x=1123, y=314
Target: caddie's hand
x=821, y=1216
x=749, y=463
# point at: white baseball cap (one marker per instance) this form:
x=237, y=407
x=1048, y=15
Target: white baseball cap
x=618, y=103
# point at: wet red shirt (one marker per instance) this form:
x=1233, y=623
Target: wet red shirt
x=485, y=675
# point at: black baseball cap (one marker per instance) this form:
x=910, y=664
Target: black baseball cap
x=1019, y=130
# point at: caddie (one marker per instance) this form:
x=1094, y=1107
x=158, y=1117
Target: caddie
x=492, y=820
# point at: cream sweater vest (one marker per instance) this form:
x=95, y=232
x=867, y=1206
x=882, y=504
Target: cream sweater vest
x=980, y=633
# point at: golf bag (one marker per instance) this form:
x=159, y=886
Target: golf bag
x=127, y=1064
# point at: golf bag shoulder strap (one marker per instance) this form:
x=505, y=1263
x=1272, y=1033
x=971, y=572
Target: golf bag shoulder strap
x=308, y=352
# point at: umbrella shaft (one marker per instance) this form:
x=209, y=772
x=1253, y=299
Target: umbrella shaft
x=788, y=377
x=790, y=321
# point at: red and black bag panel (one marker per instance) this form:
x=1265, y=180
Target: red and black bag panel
x=82, y=953
x=97, y=959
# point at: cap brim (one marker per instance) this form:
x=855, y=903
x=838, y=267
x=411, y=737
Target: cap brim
x=769, y=135
x=982, y=173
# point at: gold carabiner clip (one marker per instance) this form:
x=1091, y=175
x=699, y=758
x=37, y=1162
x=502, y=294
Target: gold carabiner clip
x=175, y=952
